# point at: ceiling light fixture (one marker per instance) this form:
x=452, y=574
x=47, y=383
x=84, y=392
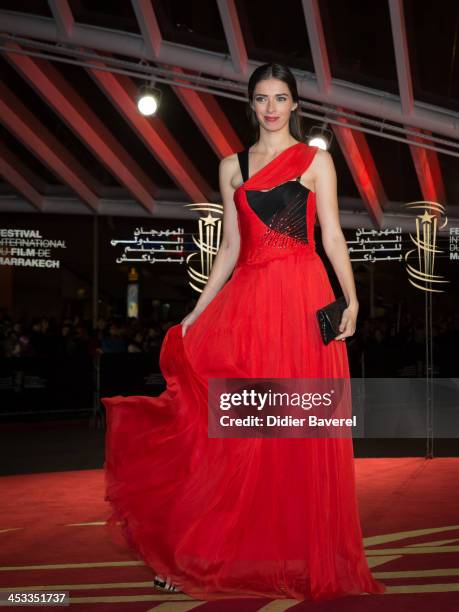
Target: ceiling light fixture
x=148, y=100
x=320, y=136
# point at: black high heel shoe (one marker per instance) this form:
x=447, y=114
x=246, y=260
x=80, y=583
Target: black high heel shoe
x=165, y=585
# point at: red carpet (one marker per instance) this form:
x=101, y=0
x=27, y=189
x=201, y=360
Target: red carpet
x=52, y=537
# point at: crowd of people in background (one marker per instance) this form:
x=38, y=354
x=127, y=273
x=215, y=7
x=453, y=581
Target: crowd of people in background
x=47, y=337
x=382, y=347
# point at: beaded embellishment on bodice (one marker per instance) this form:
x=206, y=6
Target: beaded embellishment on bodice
x=275, y=211
x=282, y=209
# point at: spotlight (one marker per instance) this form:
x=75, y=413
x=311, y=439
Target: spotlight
x=148, y=100
x=320, y=136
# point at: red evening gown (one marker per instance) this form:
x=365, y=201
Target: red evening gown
x=253, y=517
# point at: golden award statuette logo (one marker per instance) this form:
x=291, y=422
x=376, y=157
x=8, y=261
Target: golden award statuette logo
x=427, y=226
x=207, y=239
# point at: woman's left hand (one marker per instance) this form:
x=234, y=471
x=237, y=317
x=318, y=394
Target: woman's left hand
x=348, y=322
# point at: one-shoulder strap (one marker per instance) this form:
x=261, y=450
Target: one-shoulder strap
x=243, y=157
x=288, y=165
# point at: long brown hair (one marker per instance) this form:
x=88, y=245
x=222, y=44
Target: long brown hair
x=283, y=73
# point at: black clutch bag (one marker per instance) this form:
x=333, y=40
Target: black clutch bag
x=329, y=318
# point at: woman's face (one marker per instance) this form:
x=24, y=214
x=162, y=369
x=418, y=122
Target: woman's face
x=272, y=103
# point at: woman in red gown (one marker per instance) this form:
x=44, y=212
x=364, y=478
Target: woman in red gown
x=249, y=517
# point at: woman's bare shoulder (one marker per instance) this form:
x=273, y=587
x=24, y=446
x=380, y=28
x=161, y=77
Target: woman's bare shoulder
x=322, y=157
x=322, y=162
x=229, y=170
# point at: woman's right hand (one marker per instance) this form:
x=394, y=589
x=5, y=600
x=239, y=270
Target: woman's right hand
x=189, y=320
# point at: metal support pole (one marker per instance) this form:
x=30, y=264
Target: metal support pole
x=96, y=409
x=95, y=271
x=429, y=376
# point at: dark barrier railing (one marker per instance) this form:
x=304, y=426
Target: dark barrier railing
x=44, y=385
x=74, y=385
x=128, y=373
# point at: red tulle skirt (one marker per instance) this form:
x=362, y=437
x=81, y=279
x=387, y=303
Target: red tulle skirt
x=254, y=517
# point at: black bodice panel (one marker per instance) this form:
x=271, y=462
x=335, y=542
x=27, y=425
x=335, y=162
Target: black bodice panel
x=282, y=209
